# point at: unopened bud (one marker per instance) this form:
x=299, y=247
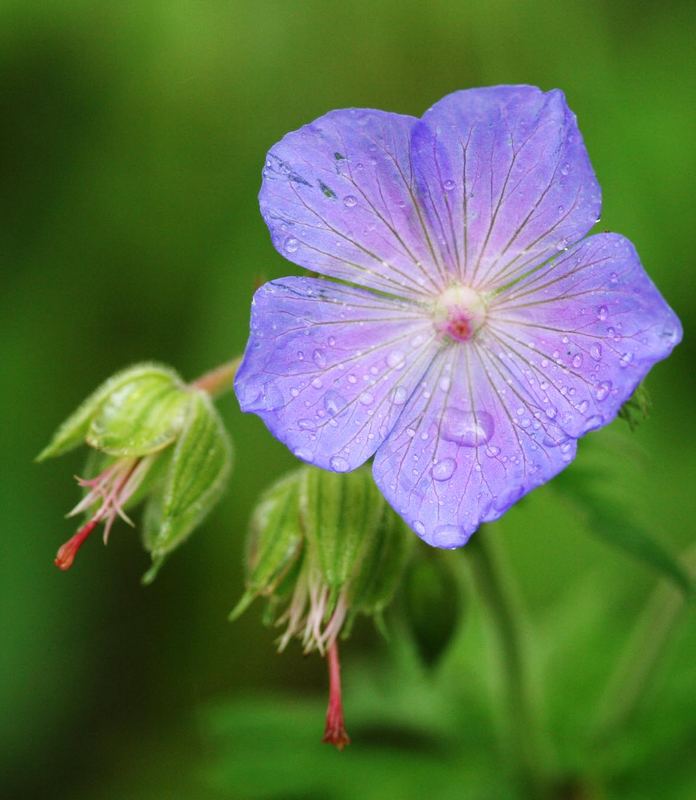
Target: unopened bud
x=153, y=439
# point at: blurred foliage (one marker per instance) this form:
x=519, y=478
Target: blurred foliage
x=134, y=135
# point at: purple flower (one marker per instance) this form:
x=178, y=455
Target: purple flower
x=473, y=334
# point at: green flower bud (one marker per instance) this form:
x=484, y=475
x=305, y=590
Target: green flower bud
x=154, y=440
x=323, y=547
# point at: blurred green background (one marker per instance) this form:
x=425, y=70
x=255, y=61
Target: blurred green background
x=134, y=135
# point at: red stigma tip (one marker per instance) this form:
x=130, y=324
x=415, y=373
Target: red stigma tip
x=335, y=731
x=66, y=554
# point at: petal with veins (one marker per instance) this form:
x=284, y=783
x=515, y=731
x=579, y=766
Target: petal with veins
x=329, y=367
x=504, y=180
x=467, y=446
x=583, y=331
x=338, y=198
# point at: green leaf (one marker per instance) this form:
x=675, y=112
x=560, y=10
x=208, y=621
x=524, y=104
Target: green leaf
x=340, y=514
x=74, y=430
x=140, y=416
x=275, y=539
x=617, y=526
x=194, y=481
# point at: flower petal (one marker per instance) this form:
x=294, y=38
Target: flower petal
x=584, y=330
x=504, y=179
x=338, y=198
x=329, y=367
x=466, y=447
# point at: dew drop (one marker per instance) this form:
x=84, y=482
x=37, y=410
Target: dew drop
x=449, y=185
x=467, y=428
x=349, y=201
x=602, y=313
x=316, y=383
x=418, y=527
x=333, y=402
x=625, y=359
x=443, y=470
x=396, y=359
x=291, y=244
x=448, y=536
x=492, y=451
x=551, y=412
x=603, y=390
x=596, y=351
x=319, y=358
x=445, y=383
x=306, y=424
x=339, y=464
x=366, y=398
x=577, y=360
x=303, y=453
x=399, y=395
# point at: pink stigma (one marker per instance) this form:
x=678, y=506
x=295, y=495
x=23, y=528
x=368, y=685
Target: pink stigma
x=66, y=554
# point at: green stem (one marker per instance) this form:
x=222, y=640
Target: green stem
x=506, y=618
x=641, y=655
x=220, y=380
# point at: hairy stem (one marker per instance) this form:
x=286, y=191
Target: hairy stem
x=506, y=621
x=220, y=380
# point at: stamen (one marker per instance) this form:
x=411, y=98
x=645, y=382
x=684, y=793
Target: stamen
x=335, y=731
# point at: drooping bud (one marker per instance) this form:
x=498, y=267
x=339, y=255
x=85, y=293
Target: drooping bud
x=153, y=439
x=324, y=547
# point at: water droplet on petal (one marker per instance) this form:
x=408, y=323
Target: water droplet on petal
x=366, y=398
x=349, y=201
x=291, y=244
x=603, y=390
x=577, y=360
x=596, y=351
x=602, y=313
x=625, y=359
x=302, y=453
x=399, y=395
x=551, y=412
x=339, y=464
x=319, y=358
x=449, y=185
x=333, y=402
x=306, y=424
x=468, y=428
x=443, y=470
x=316, y=383
x=418, y=527
x=396, y=359
x=449, y=536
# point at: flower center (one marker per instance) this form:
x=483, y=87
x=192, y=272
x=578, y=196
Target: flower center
x=458, y=313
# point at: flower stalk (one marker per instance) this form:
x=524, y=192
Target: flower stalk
x=220, y=380
x=506, y=621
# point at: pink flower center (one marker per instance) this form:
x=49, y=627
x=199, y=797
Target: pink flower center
x=458, y=313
